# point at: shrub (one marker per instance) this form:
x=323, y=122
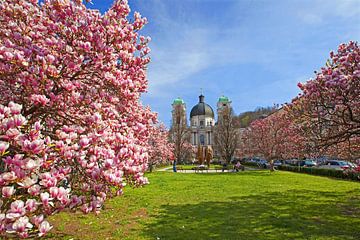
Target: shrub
x=350, y=174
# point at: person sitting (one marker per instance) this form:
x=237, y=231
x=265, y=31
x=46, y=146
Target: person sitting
x=237, y=166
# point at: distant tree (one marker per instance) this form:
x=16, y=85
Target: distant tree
x=161, y=150
x=226, y=134
x=246, y=118
x=274, y=137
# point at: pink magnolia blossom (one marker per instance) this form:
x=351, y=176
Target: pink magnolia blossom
x=44, y=228
x=35, y=147
x=39, y=99
x=71, y=119
x=84, y=142
x=15, y=108
x=12, y=133
x=28, y=182
x=8, y=176
x=45, y=199
x=30, y=164
x=16, y=210
x=37, y=220
x=31, y=205
x=3, y=147
x=21, y=224
x=34, y=190
x=7, y=192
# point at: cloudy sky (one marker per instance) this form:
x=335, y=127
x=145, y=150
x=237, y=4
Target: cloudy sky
x=253, y=51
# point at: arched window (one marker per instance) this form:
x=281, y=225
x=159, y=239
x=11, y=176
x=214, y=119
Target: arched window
x=202, y=139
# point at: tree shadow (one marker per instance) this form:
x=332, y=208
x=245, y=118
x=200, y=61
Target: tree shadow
x=287, y=215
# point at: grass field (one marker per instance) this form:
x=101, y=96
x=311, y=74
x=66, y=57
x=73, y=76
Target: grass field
x=245, y=205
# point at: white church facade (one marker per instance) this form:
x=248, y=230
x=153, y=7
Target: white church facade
x=202, y=119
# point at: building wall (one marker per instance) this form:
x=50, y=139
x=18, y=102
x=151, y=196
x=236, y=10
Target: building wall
x=202, y=130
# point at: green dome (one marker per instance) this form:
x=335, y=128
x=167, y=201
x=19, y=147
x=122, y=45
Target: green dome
x=224, y=99
x=178, y=101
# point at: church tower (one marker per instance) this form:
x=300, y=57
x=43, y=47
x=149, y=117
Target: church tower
x=178, y=112
x=222, y=104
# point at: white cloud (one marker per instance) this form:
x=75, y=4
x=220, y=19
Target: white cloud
x=283, y=37
x=320, y=11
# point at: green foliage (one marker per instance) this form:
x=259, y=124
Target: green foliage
x=252, y=164
x=247, y=205
x=323, y=172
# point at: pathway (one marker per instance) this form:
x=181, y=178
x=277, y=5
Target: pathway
x=169, y=169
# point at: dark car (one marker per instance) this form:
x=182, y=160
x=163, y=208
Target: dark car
x=278, y=163
x=307, y=163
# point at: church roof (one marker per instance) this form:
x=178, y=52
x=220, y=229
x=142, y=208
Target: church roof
x=201, y=109
x=178, y=101
x=224, y=99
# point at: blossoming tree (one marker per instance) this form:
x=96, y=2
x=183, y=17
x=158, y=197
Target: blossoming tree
x=328, y=109
x=274, y=137
x=161, y=150
x=73, y=131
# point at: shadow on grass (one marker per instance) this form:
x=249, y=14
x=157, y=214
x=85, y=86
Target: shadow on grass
x=287, y=215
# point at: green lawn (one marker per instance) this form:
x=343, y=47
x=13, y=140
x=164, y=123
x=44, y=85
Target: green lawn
x=245, y=205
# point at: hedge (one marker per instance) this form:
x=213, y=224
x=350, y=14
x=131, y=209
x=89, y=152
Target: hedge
x=252, y=164
x=351, y=175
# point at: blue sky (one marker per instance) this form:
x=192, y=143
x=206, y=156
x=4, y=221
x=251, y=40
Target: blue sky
x=253, y=51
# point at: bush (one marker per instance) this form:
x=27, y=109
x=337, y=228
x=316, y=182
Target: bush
x=351, y=175
x=253, y=164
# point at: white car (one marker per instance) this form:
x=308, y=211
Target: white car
x=335, y=164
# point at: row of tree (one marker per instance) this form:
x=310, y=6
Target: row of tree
x=323, y=121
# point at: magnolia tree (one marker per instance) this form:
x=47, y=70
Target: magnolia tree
x=72, y=132
x=161, y=150
x=328, y=109
x=274, y=137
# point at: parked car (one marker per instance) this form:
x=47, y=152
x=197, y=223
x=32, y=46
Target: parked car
x=263, y=163
x=278, y=163
x=352, y=165
x=307, y=163
x=357, y=168
x=335, y=164
x=260, y=162
x=291, y=162
x=255, y=160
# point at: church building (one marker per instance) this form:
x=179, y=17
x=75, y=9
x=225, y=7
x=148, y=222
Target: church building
x=202, y=119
